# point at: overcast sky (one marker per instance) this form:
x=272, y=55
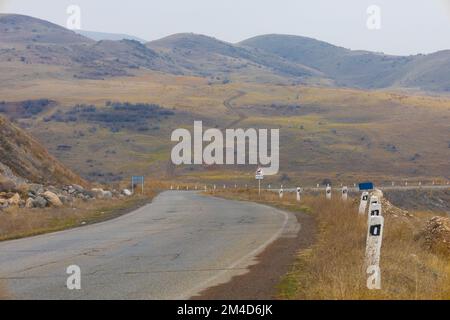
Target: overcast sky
x=407, y=26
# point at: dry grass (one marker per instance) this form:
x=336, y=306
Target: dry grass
x=3, y=292
x=333, y=267
x=20, y=222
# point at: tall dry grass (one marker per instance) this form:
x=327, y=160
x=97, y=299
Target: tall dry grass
x=3, y=293
x=21, y=222
x=333, y=267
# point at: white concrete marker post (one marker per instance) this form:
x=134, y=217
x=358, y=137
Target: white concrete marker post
x=299, y=191
x=281, y=193
x=328, y=192
x=374, y=207
x=373, y=251
x=363, y=202
x=344, y=193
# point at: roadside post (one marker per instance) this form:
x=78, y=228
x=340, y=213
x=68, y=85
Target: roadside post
x=374, y=207
x=299, y=190
x=136, y=180
x=373, y=251
x=281, y=193
x=363, y=202
x=344, y=193
x=259, y=176
x=328, y=192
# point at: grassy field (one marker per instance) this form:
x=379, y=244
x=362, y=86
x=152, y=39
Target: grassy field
x=333, y=267
x=342, y=134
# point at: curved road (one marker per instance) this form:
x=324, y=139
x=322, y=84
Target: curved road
x=174, y=248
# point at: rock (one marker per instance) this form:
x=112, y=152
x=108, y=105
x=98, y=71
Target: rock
x=98, y=192
x=107, y=194
x=29, y=204
x=39, y=202
x=378, y=193
x=35, y=188
x=52, y=198
x=78, y=188
x=66, y=199
x=126, y=192
x=437, y=234
x=14, y=200
x=7, y=185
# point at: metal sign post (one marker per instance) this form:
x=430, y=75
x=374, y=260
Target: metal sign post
x=137, y=180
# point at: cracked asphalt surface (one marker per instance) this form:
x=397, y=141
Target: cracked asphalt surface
x=173, y=248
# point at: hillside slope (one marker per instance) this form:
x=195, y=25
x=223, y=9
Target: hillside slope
x=362, y=69
x=25, y=158
x=208, y=56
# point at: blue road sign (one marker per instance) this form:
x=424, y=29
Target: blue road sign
x=366, y=186
x=137, y=179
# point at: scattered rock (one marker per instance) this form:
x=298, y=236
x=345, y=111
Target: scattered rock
x=14, y=200
x=126, y=192
x=437, y=234
x=98, y=192
x=7, y=185
x=52, y=199
x=29, y=204
x=35, y=189
x=39, y=202
x=107, y=194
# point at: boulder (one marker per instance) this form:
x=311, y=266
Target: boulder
x=39, y=202
x=35, y=189
x=65, y=199
x=14, y=200
x=29, y=204
x=78, y=188
x=126, y=192
x=52, y=199
x=7, y=185
x=98, y=192
x=437, y=234
x=107, y=194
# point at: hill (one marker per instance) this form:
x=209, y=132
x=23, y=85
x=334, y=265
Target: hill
x=98, y=36
x=28, y=43
x=361, y=69
x=207, y=56
x=31, y=47
x=23, y=158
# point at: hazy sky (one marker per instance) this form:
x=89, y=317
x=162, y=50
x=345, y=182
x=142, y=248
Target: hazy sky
x=407, y=26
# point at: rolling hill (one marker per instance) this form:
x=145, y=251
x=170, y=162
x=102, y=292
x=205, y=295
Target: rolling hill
x=32, y=44
x=361, y=69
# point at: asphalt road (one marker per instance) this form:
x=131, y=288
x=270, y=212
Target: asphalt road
x=173, y=248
